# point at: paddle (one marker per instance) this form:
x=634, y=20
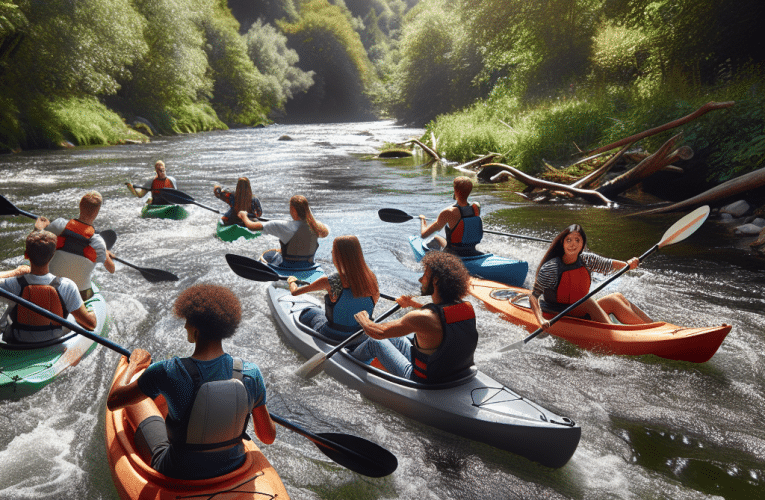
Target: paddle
x=679, y=231
x=254, y=270
x=181, y=198
x=151, y=275
x=8, y=208
x=352, y=452
x=394, y=215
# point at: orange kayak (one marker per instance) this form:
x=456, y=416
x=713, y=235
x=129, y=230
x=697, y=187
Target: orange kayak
x=134, y=478
x=662, y=339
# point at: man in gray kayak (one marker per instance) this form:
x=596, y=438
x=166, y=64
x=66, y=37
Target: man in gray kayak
x=461, y=221
x=435, y=342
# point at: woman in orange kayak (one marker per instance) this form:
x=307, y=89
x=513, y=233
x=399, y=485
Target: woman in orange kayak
x=210, y=395
x=240, y=200
x=563, y=278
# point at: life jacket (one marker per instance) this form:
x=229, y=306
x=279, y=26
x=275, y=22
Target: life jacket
x=467, y=233
x=455, y=353
x=75, y=238
x=573, y=283
x=340, y=313
x=302, y=246
x=218, y=415
x=156, y=194
x=29, y=326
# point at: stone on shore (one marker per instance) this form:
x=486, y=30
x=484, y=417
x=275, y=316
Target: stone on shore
x=736, y=209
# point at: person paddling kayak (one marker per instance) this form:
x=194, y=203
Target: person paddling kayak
x=161, y=180
x=79, y=248
x=563, y=277
x=209, y=395
x=241, y=199
x=299, y=237
x=351, y=289
x=36, y=284
x=461, y=221
x=445, y=335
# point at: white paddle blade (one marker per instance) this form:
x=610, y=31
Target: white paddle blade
x=512, y=347
x=312, y=367
x=685, y=227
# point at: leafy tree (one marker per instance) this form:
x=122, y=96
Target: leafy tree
x=247, y=12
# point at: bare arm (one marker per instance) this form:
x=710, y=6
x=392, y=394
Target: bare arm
x=424, y=322
x=426, y=230
x=317, y=286
x=126, y=391
x=252, y=225
x=85, y=317
x=634, y=262
x=137, y=192
x=41, y=223
x=537, y=310
x=13, y=273
x=263, y=425
x=109, y=263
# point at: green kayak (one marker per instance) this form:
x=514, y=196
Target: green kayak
x=25, y=368
x=233, y=232
x=175, y=212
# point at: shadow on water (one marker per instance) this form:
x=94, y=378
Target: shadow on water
x=709, y=469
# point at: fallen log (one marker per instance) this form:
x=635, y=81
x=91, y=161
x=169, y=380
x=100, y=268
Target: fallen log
x=716, y=195
x=468, y=167
x=710, y=106
x=596, y=174
x=424, y=148
x=589, y=195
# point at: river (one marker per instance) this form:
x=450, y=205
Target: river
x=651, y=428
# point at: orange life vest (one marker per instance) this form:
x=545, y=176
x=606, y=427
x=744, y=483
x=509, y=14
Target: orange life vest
x=29, y=326
x=573, y=283
x=75, y=238
x=156, y=195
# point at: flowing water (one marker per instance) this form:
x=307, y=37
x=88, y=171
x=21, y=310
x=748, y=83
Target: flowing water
x=651, y=428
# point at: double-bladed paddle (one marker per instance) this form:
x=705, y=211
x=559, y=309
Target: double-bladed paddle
x=8, y=208
x=395, y=215
x=679, y=231
x=352, y=452
x=181, y=198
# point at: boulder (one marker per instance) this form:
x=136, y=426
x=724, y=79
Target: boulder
x=736, y=209
x=748, y=230
x=284, y=138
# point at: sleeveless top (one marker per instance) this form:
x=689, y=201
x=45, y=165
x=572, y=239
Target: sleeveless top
x=467, y=233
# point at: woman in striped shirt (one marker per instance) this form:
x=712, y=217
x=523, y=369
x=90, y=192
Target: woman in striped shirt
x=563, y=278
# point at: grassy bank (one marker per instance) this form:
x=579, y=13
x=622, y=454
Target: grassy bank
x=728, y=142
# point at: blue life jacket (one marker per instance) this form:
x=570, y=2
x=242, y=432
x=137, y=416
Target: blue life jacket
x=467, y=233
x=340, y=313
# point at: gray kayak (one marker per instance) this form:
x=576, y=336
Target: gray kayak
x=476, y=406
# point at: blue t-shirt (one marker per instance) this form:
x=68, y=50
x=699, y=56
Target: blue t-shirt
x=171, y=379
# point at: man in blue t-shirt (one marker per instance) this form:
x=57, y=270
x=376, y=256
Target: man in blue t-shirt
x=200, y=438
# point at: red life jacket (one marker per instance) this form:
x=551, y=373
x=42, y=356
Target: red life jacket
x=158, y=184
x=573, y=283
x=455, y=353
x=29, y=326
x=75, y=238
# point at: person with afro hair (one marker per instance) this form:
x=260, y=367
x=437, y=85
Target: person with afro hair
x=209, y=395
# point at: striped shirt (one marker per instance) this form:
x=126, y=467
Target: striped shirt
x=548, y=273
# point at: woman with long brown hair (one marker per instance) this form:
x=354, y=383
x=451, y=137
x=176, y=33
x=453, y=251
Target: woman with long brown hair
x=353, y=288
x=299, y=237
x=563, y=277
x=238, y=201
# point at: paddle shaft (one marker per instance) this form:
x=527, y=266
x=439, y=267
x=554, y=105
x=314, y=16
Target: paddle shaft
x=184, y=199
x=360, y=332
x=72, y=326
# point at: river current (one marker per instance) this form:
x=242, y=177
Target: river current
x=651, y=428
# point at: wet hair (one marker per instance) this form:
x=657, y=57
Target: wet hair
x=214, y=310
x=91, y=201
x=40, y=247
x=243, y=195
x=303, y=211
x=556, y=247
x=353, y=269
x=463, y=186
x=453, y=277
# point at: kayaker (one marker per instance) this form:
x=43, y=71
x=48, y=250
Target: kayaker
x=351, y=289
x=563, y=277
x=299, y=237
x=209, y=395
x=444, y=332
x=79, y=248
x=160, y=180
x=240, y=199
x=38, y=285
x=461, y=221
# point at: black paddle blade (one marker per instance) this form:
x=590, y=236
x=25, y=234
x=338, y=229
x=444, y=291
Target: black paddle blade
x=6, y=207
x=362, y=456
x=251, y=269
x=156, y=275
x=177, y=197
x=110, y=237
x=393, y=215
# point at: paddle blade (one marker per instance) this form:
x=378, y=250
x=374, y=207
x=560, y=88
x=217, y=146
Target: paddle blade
x=6, y=207
x=177, y=197
x=369, y=459
x=685, y=227
x=251, y=269
x=512, y=347
x=393, y=215
x=156, y=275
x=110, y=238
x=312, y=367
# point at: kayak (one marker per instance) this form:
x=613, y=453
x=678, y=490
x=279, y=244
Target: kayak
x=659, y=338
x=474, y=406
x=134, y=478
x=233, y=232
x=26, y=368
x=487, y=265
x=309, y=274
x=175, y=212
